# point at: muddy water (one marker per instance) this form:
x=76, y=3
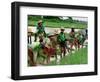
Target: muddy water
x=52, y=30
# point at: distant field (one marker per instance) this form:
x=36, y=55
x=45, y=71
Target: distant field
x=55, y=22
x=59, y=24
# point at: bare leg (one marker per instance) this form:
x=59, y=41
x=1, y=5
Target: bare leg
x=48, y=59
x=71, y=45
x=64, y=51
x=61, y=52
x=35, y=37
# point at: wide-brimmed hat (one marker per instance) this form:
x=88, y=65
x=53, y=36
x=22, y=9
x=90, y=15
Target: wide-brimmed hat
x=40, y=21
x=62, y=28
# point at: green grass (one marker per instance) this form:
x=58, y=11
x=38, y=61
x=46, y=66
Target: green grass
x=79, y=57
x=51, y=24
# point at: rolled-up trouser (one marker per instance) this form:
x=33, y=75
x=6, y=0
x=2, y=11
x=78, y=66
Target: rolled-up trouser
x=63, y=45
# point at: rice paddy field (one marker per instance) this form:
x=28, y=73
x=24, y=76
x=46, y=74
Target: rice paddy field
x=59, y=24
x=55, y=22
x=73, y=58
x=78, y=57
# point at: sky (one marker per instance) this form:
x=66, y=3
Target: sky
x=78, y=18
